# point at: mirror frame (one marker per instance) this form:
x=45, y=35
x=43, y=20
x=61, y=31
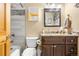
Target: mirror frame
x=52, y=10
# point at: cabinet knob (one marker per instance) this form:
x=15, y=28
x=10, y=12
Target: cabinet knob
x=72, y=40
x=71, y=49
x=55, y=46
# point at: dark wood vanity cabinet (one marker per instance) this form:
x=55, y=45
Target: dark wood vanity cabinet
x=59, y=45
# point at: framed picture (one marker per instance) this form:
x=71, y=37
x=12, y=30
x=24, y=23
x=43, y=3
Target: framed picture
x=52, y=17
x=33, y=14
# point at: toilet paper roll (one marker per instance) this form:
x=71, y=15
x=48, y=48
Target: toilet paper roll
x=39, y=42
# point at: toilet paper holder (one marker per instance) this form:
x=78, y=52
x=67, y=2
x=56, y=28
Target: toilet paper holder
x=38, y=42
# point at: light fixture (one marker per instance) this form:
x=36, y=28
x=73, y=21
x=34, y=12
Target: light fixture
x=49, y=5
x=17, y=5
x=58, y=6
x=77, y=5
x=52, y=5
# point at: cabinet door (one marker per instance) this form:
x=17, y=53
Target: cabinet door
x=59, y=50
x=8, y=29
x=45, y=50
x=2, y=16
x=52, y=50
x=2, y=49
x=5, y=27
x=71, y=50
x=7, y=47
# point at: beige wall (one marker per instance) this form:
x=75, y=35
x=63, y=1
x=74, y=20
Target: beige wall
x=74, y=12
x=34, y=28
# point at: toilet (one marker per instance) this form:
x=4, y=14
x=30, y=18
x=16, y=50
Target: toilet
x=31, y=43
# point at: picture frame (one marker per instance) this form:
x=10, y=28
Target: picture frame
x=52, y=17
x=33, y=14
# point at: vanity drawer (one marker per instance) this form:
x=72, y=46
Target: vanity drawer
x=71, y=40
x=53, y=40
x=58, y=40
x=47, y=40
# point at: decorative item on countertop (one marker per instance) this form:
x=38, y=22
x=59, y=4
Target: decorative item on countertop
x=68, y=24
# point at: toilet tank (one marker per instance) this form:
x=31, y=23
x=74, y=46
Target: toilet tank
x=31, y=42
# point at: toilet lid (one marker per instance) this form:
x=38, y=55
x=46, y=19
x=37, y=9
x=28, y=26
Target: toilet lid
x=29, y=52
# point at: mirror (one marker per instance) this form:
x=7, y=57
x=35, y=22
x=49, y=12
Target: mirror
x=52, y=17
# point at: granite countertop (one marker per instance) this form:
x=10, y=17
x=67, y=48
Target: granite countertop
x=51, y=34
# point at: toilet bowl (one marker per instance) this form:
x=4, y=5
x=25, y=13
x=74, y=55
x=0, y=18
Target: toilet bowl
x=29, y=52
x=31, y=43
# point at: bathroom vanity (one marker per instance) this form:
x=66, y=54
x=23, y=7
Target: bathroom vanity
x=59, y=45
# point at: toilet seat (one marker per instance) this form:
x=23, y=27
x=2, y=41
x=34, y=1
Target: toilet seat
x=29, y=52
